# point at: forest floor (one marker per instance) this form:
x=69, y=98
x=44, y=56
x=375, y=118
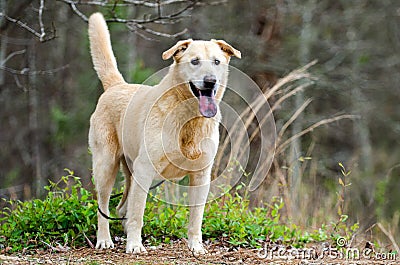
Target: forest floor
x=178, y=253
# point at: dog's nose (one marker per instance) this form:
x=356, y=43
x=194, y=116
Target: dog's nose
x=209, y=81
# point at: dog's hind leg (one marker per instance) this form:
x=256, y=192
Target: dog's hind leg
x=136, y=203
x=105, y=168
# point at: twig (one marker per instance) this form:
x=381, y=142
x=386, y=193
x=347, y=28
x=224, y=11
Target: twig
x=60, y=248
x=42, y=32
x=79, y=13
x=137, y=24
x=27, y=71
x=390, y=236
x=136, y=31
x=157, y=18
x=156, y=33
x=19, y=85
x=21, y=24
x=72, y=4
x=91, y=245
x=12, y=55
x=149, y=4
x=29, y=29
x=170, y=2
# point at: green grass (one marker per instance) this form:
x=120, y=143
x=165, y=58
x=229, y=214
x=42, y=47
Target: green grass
x=68, y=214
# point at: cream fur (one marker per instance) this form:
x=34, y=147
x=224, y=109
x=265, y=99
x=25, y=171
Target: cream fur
x=164, y=135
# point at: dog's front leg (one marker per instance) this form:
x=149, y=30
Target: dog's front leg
x=135, y=208
x=198, y=192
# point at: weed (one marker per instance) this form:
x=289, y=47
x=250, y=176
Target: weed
x=67, y=216
x=63, y=217
x=340, y=228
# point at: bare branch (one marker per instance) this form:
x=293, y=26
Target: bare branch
x=140, y=34
x=149, y=4
x=136, y=25
x=27, y=71
x=72, y=4
x=12, y=55
x=132, y=27
x=42, y=32
x=39, y=35
x=171, y=21
x=157, y=18
x=213, y=3
x=19, y=85
x=21, y=24
x=178, y=15
x=18, y=8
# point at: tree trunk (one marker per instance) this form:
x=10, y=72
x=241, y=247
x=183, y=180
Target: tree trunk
x=306, y=39
x=34, y=121
x=359, y=104
x=3, y=47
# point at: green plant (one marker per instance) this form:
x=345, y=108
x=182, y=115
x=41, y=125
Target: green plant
x=64, y=217
x=67, y=217
x=343, y=182
x=341, y=228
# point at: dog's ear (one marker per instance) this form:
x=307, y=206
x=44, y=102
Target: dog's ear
x=175, y=50
x=227, y=48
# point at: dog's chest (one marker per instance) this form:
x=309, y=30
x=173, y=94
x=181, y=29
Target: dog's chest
x=192, y=148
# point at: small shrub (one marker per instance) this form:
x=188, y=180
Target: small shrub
x=68, y=215
x=63, y=217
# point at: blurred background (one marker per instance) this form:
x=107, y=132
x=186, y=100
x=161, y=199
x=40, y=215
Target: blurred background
x=344, y=108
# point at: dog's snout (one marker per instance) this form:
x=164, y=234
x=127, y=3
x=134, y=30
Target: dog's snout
x=209, y=81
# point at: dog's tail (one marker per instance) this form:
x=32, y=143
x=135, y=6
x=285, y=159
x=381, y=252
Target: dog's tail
x=102, y=55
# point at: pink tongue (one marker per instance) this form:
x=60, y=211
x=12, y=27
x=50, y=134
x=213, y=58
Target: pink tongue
x=207, y=106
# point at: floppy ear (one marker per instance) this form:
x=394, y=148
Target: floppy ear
x=180, y=46
x=228, y=49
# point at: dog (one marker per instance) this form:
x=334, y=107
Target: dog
x=164, y=131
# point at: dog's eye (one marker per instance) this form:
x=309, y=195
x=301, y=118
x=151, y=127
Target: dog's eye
x=217, y=62
x=195, y=61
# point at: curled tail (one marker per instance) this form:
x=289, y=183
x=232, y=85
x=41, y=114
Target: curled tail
x=102, y=55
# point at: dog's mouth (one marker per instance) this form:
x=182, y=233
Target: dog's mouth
x=207, y=106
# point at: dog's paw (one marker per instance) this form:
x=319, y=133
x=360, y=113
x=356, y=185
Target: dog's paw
x=135, y=248
x=197, y=247
x=104, y=243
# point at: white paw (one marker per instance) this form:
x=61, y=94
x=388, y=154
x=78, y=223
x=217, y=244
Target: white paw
x=104, y=243
x=197, y=247
x=135, y=248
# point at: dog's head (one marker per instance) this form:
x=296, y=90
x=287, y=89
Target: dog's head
x=203, y=65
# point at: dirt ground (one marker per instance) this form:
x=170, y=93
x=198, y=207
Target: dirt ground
x=178, y=253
